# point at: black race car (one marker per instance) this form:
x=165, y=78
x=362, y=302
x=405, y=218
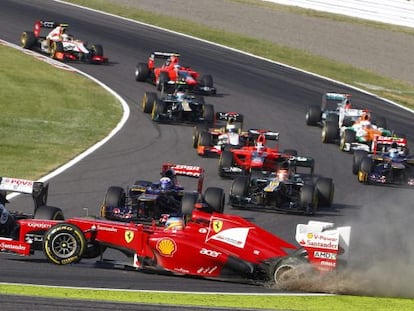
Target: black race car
x=181, y=106
x=285, y=189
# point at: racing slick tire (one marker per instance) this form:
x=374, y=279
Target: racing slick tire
x=198, y=129
x=215, y=199
x=27, y=39
x=206, y=81
x=157, y=110
x=97, y=50
x=115, y=197
x=48, y=213
x=308, y=199
x=364, y=169
x=313, y=116
x=187, y=203
x=356, y=160
x=325, y=188
x=64, y=244
x=347, y=137
x=148, y=101
x=329, y=132
x=332, y=117
x=288, y=271
x=55, y=47
x=163, y=79
x=239, y=189
x=226, y=160
x=141, y=72
x=208, y=113
x=204, y=139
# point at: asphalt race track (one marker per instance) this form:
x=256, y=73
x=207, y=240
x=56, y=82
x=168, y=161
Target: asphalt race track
x=269, y=95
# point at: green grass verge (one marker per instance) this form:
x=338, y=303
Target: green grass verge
x=398, y=91
x=241, y=302
x=48, y=116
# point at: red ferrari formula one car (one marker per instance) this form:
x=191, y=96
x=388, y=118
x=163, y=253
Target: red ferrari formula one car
x=170, y=71
x=60, y=45
x=254, y=156
x=220, y=246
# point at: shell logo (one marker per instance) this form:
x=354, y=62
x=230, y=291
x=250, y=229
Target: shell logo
x=166, y=247
x=310, y=235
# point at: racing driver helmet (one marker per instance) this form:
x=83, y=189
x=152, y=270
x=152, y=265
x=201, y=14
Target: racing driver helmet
x=283, y=174
x=166, y=183
x=174, y=223
x=393, y=152
x=180, y=95
x=65, y=37
x=231, y=128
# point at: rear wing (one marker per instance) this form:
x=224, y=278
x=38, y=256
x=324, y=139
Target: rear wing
x=227, y=116
x=339, y=98
x=324, y=243
x=186, y=170
x=303, y=161
x=269, y=135
x=163, y=55
x=336, y=96
x=46, y=24
x=383, y=143
x=38, y=190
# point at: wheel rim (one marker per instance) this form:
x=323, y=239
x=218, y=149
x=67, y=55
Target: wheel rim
x=361, y=176
x=64, y=245
x=144, y=100
x=284, y=275
x=23, y=39
x=53, y=49
x=342, y=143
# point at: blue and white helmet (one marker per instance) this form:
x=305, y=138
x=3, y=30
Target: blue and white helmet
x=165, y=183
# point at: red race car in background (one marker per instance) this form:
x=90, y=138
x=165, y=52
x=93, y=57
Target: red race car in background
x=220, y=246
x=256, y=155
x=163, y=69
x=60, y=45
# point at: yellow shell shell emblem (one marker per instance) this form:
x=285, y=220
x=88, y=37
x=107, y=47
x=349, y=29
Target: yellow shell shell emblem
x=166, y=247
x=310, y=235
x=129, y=236
x=217, y=225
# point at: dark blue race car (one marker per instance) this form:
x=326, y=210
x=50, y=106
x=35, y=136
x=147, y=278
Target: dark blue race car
x=160, y=200
x=394, y=167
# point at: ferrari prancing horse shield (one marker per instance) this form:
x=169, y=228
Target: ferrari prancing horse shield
x=129, y=236
x=217, y=225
